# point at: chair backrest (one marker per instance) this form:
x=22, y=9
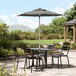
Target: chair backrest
x=65, y=50
x=15, y=51
x=27, y=52
x=49, y=46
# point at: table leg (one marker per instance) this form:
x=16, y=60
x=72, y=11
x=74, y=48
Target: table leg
x=46, y=58
x=32, y=58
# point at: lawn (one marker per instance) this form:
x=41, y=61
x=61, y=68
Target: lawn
x=52, y=41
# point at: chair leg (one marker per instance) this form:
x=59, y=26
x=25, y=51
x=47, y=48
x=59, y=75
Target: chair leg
x=29, y=62
x=15, y=58
x=17, y=63
x=39, y=61
x=52, y=63
x=68, y=61
x=31, y=69
x=25, y=64
x=36, y=64
x=42, y=64
x=60, y=61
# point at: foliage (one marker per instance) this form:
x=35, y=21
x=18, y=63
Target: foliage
x=73, y=46
x=57, y=25
x=25, y=44
x=9, y=50
x=57, y=45
x=55, y=36
x=53, y=30
x=10, y=71
x=5, y=43
x=66, y=44
x=3, y=30
x=3, y=52
x=17, y=44
x=4, y=72
x=69, y=32
x=71, y=13
x=4, y=36
x=42, y=29
x=19, y=35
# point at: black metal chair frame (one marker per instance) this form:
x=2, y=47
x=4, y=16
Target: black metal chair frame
x=16, y=56
x=32, y=57
x=61, y=54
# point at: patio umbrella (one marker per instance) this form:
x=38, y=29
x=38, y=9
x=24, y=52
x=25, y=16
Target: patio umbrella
x=40, y=12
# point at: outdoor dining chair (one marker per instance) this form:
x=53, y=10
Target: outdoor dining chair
x=64, y=53
x=29, y=57
x=16, y=56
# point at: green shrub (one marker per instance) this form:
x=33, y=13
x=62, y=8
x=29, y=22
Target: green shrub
x=66, y=44
x=17, y=44
x=60, y=36
x=57, y=45
x=73, y=46
x=20, y=51
x=3, y=52
x=52, y=36
x=4, y=72
x=5, y=43
x=11, y=52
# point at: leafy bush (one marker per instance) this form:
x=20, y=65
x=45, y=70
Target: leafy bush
x=18, y=44
x=11, y=52
x=20, y=51
x=73, y=46
x=66, y=44
x=4, y=72
x=10, y=71
x=3, y=52
x=57, y=45
x=5, y=43
x=60, y=36
x=52, y=36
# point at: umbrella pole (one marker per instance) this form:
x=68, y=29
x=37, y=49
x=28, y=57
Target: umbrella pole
x=39, y=31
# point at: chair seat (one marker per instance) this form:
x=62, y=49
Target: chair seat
x=30, y=57
x=42, y=54
x=35, y=57
x=56, y=55
x=62, y=54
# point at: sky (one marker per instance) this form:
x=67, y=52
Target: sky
x=9, y=9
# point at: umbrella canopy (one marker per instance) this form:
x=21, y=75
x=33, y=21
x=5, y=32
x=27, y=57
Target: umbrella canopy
x=40, y=12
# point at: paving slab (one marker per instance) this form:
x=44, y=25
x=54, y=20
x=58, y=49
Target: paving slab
x=62, y=71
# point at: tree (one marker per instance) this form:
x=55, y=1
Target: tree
x=17, y=35
x=44, y=29
x=3, y=30
x=4, y=36
x=57, y=25
x=71, y=13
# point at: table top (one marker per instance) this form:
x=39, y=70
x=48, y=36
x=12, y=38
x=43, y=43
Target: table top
x=44, y=49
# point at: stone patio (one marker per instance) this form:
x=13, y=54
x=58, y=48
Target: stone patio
x=62, y=71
